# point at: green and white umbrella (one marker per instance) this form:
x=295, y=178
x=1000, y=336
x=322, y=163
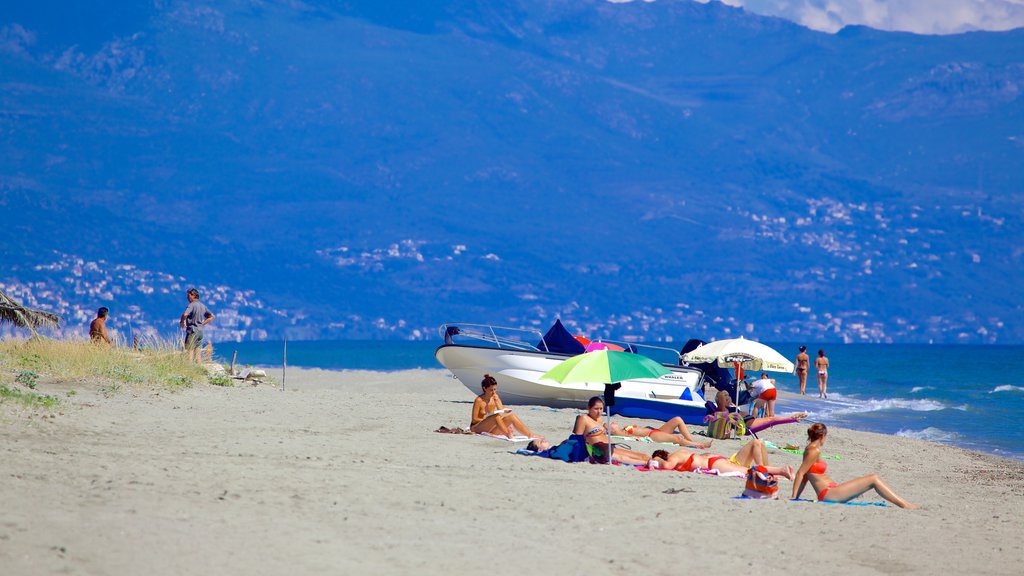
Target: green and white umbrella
x=605, y=367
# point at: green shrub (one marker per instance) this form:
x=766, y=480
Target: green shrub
x=30, y=399
x=220, y=380
x=27, y=378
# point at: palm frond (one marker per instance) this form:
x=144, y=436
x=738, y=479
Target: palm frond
x=13, y=312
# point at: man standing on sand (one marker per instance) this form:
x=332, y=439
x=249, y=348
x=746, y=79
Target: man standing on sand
x=98, y=327
x=193, y=319
x=803, y=361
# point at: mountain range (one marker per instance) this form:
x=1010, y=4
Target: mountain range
x=358, y=169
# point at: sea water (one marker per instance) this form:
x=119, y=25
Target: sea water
x=967, y=396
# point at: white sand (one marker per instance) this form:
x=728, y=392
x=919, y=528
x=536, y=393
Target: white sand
x=343, y=472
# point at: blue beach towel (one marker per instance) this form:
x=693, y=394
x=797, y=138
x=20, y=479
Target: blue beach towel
x=882, y=504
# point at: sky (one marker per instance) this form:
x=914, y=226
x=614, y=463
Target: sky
x=918, y=16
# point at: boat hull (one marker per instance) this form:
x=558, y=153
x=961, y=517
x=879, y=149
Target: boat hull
x=518, y=373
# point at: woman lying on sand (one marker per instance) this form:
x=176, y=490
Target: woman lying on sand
x=590, y=426
x=724, y=403
x=664, y=433
x=752, y=453
x=813, y=469
x=491, y=416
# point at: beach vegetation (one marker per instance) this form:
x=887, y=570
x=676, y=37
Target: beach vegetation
x=220, y=380
x=27, y=398
x=27, y=378
x=70, y=360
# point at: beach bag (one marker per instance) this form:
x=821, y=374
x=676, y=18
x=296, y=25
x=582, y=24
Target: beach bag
x=761, y=484
x=722, y=426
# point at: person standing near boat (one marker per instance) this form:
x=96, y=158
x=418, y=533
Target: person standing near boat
x=803, y=361
x=764, y=394
x=821, y=363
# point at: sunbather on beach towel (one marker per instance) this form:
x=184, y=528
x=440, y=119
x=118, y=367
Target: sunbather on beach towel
x=752, y=453
x=491, y=416
x=664, y=433
x=589, y=425
x=812, y=470
x=724, y=403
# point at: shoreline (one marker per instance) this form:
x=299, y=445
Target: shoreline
x=784, y=395
x=342, y=471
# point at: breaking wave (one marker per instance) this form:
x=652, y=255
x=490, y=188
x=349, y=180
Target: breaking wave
x=872, y=405
x=930, y=434
x=916, y=389
x=1007, y=388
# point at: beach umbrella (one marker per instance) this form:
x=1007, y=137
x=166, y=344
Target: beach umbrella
x=608, y=367
x=595, y=346
x=13, y=312
x=740, y=353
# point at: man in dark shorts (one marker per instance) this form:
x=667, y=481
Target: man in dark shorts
x=98, y=328
x=195, y=317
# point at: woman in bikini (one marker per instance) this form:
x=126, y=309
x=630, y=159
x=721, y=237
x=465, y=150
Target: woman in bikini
x=664, y=433
x=752, y=453
x=589, y=425
x=802, y=362
x=821, y=363
x=490, y=415
x=724, y=403
x=812, y=470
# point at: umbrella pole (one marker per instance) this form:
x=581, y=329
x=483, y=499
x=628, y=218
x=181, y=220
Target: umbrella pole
x=608, y=426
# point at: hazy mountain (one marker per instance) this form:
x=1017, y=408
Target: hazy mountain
x=366, y=169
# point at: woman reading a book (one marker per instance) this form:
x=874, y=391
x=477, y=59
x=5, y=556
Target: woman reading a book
x=491, y=417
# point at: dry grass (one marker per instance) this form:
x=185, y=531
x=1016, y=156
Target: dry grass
x=159, y=363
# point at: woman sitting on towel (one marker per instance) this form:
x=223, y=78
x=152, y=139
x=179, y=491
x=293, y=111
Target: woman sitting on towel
x=724, y=403
x=664, y=433
x=589, y=425
x=813, y=469
x=491, y=417
x=752, y=453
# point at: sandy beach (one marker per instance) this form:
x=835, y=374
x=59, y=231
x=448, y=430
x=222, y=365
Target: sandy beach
x=343, y=472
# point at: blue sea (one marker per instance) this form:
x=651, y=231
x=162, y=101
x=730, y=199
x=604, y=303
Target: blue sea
x=967, y=396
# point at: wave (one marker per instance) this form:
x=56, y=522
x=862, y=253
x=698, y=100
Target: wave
x=872, y=405
x=916, y=389
x=930, y=434
x=1007, y=388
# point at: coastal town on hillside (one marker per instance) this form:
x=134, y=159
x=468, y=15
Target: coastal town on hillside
x=147, y=303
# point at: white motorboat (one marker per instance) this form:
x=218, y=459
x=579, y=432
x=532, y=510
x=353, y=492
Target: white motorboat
x=510, y=355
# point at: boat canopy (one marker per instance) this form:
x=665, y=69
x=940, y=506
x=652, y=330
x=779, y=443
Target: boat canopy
x=559, y=340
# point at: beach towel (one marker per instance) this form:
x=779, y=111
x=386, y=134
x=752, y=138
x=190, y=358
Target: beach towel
x=516, y=438
x=447, y=430
x=881, y=504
